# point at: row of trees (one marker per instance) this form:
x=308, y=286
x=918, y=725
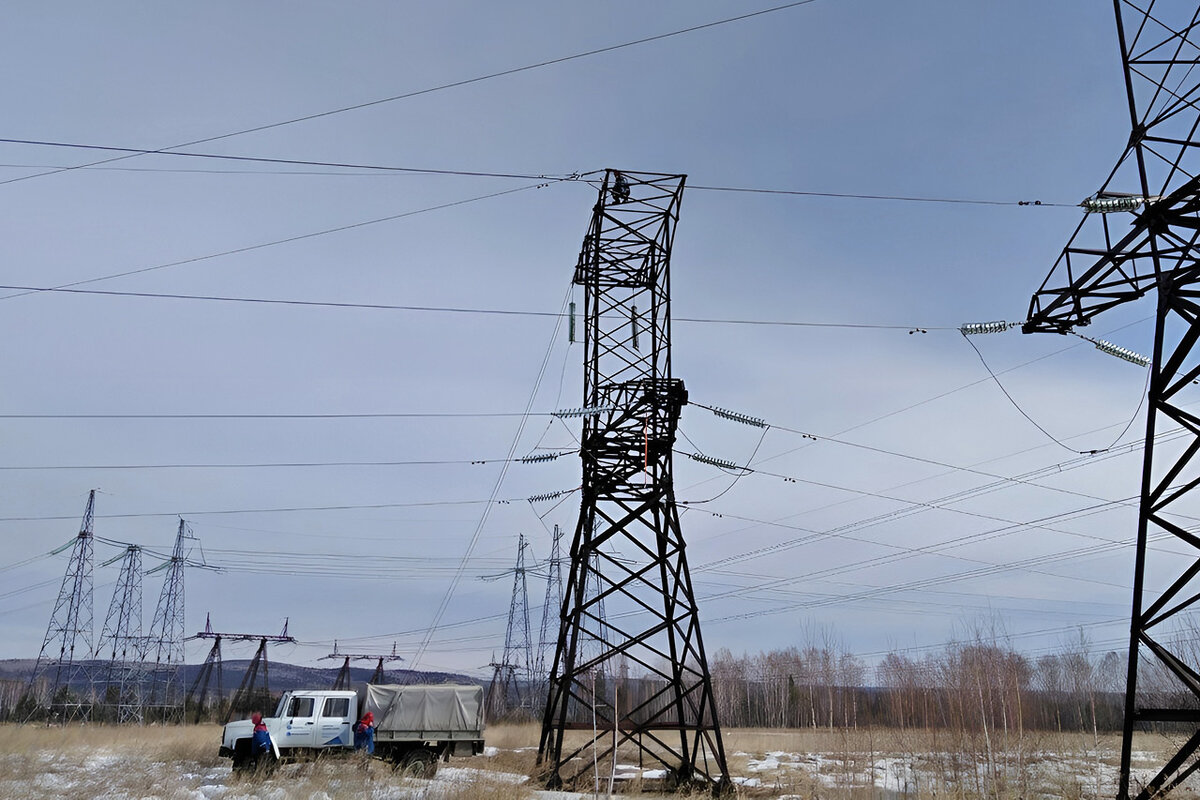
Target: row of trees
x=977, y=685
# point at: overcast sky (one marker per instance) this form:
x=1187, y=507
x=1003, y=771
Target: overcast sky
x=903, y=525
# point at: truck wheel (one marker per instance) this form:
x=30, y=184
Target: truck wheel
x=419, y=764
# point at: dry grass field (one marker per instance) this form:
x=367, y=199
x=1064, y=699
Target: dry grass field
x=176, y=763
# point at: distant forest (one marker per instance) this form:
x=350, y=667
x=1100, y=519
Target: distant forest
x=965, y=686
x=979, y=686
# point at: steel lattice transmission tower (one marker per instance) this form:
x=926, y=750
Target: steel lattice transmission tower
x=628, y=540
x=342, y=681
x=505, y=691
x=62, y=669
x=1140, y=235
x=552, y=604
x=165, y=644
x=249, y=695
x=121, y=642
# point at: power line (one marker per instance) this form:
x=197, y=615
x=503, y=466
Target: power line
x=287, y=240
x=374, y=168
x=295, y=162
x=430, y=90
x=272, y=465
x=69, y=289
x=368, y=173
x=892, y=197
x=283, y=510
x=366, y=415
x=512, y=449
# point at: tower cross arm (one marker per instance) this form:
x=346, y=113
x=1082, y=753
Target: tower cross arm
x=1086, y=281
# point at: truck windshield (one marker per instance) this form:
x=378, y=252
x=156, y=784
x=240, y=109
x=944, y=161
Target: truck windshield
x=283, y=701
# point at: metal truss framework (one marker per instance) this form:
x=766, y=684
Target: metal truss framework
x=505, y=692
x=343, y=677
x=121, y=691
x=551, y=604
x=165, y=699
x=62, y=665
x=1150, y=243
x=628, y=540
x=248, y=689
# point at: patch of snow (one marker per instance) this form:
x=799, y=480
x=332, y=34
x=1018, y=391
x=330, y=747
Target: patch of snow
x=896, y=775
x=466, y=774
x=654, y=774
x=768, y=763
x=491, y=752
x=750, y=783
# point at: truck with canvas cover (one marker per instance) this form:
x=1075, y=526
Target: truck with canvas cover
x=415, y=726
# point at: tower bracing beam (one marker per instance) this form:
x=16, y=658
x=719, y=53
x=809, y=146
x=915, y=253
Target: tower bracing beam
x=628, y=551
x=1139, y=235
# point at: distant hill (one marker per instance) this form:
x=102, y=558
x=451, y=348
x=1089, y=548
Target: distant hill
x=282, y=676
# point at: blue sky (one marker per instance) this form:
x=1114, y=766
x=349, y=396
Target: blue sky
x=939, y=100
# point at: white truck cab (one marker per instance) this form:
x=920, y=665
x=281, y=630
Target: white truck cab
x=307, y=719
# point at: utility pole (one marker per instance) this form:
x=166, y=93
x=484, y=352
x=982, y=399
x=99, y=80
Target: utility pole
x=505, y=692
x=121, y=692
x=628, y=539
x=1140, y=234
x=62, y=664
x=165, y=645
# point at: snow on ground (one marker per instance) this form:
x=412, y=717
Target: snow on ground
x=117, y=773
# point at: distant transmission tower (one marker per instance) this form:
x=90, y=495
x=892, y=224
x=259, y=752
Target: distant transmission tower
x=197, y=694
x=551, y=606
x=121, y=643
x=343, y=677
x=62, y=670
x=628, y=537
x=249, y=696
x=164, y=653
x=505, y=691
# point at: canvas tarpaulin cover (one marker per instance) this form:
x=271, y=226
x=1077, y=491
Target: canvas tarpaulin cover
x=425, y=708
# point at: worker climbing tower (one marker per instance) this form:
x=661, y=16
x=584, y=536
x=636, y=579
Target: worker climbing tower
x=1139, y=234
x=628, y=540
